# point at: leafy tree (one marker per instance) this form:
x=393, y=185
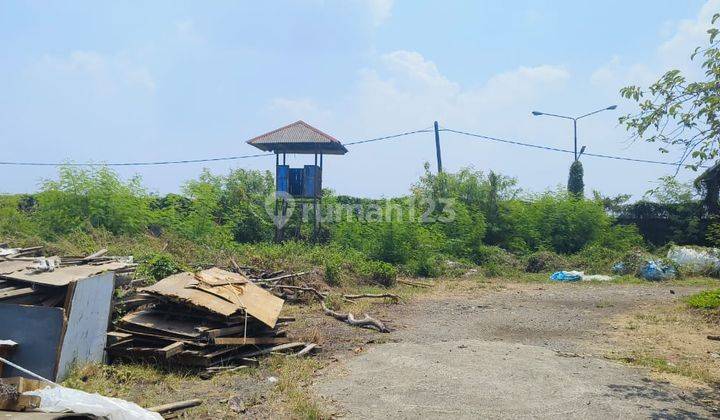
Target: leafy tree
x=91, y=198
x=576, y=185
x=676, y=112
x=672, y=191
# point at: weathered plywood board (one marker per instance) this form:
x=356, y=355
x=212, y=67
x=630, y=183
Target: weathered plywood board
x=158, y=323
x=66, y=275
x=87, y=324
x=220, y=299
x=38, y=332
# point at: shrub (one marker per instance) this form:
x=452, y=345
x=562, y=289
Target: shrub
x=543, y=261
x=158, y=266
x=332, y=273
x=379, y=272
x=91, y=198
x=576, y=185
x=493, y=255
x=709, y=299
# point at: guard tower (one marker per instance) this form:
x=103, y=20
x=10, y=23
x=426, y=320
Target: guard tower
x=304, y=183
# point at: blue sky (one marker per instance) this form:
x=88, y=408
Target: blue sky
x=142, y=81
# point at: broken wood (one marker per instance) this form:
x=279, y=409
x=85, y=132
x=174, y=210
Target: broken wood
x=283, y=277
x=414, y=283
x=240, y=341
x=180, y=405
x=94, y=255
x=172, y=349
x=392, y=296
x=713, y=337
x=312, y=290
x=367, y=322
x=306, y=350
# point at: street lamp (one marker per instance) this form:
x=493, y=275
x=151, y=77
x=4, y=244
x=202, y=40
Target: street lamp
x=574, y=120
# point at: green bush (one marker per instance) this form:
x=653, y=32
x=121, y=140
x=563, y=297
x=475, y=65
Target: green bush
x=157, y=266
x=333, y=273
x=543, y=261
x=379, y=272
x=709, y=299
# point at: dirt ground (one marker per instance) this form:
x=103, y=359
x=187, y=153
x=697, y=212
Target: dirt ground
x=532, y=350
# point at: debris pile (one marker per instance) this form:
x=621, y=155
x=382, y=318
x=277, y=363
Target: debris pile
x=205, y=319
x=56, y=309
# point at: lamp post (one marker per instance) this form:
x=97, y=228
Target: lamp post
x=574, y=120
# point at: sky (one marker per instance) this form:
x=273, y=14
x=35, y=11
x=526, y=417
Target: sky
x=129, y=81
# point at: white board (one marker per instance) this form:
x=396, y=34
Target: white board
x=87, y=324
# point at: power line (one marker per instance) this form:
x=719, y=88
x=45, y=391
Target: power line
x=556, y=149
x=184, y=161
x=154, y=163
x=390, y=137
x=407, y=133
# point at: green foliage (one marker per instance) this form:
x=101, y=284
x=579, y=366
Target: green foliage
x=379, y=272
x=712, y=234
x=333, y=274
x=157, y=266
x=576, y=185
x=709, y=299
x=672, y=191
x=91, y=198
x=546, y=261
x=675, y=112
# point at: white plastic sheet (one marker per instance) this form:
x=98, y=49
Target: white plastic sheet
x=695, y=260
x=60, y=399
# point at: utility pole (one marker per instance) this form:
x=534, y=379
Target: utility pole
x=437, y=147
x=575, y=133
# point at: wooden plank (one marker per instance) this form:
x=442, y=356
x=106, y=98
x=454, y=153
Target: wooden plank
x=240, y=341
x=95, y=255
x=171, y=349
x=219, y=332
x=88, y=318
x=17, y=293
x=64, y=275
x=223, y=300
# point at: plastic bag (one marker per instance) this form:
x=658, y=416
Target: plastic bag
x=567, y=276
x=655, y=271
x=60, y=399
x=695, y=260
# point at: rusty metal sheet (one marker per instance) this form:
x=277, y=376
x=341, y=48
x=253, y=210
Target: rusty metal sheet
x=224, y=300
x=65, y=275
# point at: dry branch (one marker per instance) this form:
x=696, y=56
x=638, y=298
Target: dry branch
x=367, y=322
x=392, y=296
x=314, y=291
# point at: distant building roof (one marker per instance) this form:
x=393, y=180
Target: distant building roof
x=298, y=137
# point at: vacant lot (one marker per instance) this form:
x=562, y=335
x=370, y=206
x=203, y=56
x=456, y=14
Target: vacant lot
x=534, y=349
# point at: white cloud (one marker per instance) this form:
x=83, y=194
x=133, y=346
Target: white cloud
x=615, y=74
x=186, y=31
x=299, y=109
x=674, y=53
x=380, y=10
x=689, y=34
x=107, y=73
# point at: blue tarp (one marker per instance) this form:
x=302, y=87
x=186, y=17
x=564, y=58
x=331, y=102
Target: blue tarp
x=566, y=276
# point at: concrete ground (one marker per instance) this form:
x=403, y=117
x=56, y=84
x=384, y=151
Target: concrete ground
x=524, y=351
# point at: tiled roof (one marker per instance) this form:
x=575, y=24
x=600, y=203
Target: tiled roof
x=298, y=137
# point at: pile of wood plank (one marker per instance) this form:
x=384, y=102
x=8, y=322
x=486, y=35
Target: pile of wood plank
x=27, y=278
x=56, y=310
x=204, y=319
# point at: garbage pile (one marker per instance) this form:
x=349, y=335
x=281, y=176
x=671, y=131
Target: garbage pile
x=55, y=310
x=205, y=319
x=696, y=260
